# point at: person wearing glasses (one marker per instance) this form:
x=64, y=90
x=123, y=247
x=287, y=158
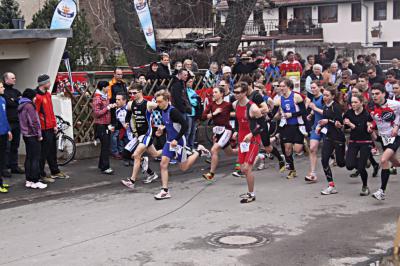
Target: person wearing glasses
x=292, y=109
x=219, y=111
x=386, y=115
x=249, y=139
x=138, y=123
x=373, y=77
x=175, y=126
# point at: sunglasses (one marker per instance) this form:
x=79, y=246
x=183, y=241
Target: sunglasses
x=369, y=73
x=133, y=93
x=237, y=92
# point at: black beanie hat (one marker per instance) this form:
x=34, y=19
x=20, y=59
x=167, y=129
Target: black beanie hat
x=43, y=79
x=29, y=93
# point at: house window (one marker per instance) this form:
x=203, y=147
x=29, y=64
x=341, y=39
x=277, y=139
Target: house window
x=380, y=10
x=302, y=13
x=396, y=9
x=356, y=12
x=328, y=14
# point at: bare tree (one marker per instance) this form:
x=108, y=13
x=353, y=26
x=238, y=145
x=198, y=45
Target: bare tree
x=132, y=39
x=231, y=33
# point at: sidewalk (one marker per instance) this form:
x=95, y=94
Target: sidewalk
x=84, y=177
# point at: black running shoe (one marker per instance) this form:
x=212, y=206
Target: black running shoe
x=247, y=198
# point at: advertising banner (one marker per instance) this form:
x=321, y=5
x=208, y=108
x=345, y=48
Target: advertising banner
x=143, y=11
x=64, y=15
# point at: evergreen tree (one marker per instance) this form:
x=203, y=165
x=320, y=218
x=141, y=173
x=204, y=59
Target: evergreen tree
x=9, y=9
x=42, y=19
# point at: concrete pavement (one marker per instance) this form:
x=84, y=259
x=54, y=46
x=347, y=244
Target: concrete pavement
x=111, y=225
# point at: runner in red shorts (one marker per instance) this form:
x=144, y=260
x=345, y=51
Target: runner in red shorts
x=249, y=138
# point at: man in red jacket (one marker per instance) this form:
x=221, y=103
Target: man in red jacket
x=44, y=107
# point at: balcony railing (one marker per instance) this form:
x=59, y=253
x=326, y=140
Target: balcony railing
x=275, y=27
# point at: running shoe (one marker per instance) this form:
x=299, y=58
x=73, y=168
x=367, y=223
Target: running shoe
x=375, y=151
x=128, y=183
x=364, y=191
x=379, y=195
x=203, y=151
x=282, y=166
x=60, y=175
x=329, y=190
x=47, y=179
x=162, y=195
x=355, y=174
x=376, y=170
x=261, y=166
x=144, y=164
x=292, y=174
x=208, y=176
x=269, y=156
x=38, y=185
x=6, y=185
x=238, y=173
x=28, y=184
x=393, y=170
x=312, y=178
x=247, y=198
x=150, y=178
x=3, y=190
x=108, y=171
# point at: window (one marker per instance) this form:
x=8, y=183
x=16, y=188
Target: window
x=380, y=10
x=356, y=12
x=328, y=14
x=396, y=9
x=303, y=13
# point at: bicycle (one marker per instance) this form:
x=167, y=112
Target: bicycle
x=66, y=146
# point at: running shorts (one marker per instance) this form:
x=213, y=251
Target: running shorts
x=291, y=134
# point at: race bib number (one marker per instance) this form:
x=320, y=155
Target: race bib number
x=282, y=123
x=303, y=130
x=131, y=145
x=388, y=140
x=324, y=130
x=177, y=149
x=244, y=147
x=218, y=130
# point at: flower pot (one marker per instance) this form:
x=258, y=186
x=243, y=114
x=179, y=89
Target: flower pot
x=375, y=33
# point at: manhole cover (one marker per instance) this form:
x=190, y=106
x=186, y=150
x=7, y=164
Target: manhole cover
x=238, y=240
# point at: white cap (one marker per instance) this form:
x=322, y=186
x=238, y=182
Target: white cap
x=226, y=69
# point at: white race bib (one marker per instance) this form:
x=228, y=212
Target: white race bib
x=244, y=147
x=131, y=145
x=388, y=140
x=324, y=130
x=283, y=122
x=218, y=130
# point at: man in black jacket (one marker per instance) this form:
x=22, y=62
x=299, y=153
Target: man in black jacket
x=164, y=71
x=12, y=97
x=179, y=96
x=360, y=66
x=245, y=66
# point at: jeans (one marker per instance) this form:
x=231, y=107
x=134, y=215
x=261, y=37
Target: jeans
x=103, y=134
x=12, y=147
x=3, y=147
x=32, y=159
x=191, y=133
x=49, y=152
x=117, y=145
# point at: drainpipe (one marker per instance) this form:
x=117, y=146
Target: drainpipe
x=366, y=22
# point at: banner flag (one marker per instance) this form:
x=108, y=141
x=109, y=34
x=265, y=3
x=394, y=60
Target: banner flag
x=64, y=15
x=143, y=11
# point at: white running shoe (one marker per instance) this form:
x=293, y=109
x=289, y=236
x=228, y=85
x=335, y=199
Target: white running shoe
x=39, y=185
x=144, y=164
x=379, y=195
x=108, y=171
x=128, y=183
x=28, y=184
x=329, y=190
x=261, y=166
x=162, y=195
x=203, y=151
x=150, y=178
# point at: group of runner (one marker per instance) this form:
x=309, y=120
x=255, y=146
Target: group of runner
x=252, y=126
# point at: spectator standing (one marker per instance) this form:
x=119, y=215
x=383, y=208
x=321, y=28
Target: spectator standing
x=272, y=72
x=116, y=85
x=244, y=66
x=267, y=58
x=191, y=118
x=308, y=70
x=188, y=65
x=390, y=82
x=44, y=107
x=5, y=136
x=333, y=74
x=32, y=134
x=326, y=57
x=211, y=77
x=12, y=96
x=290, y=65
x=164, y=69
x=102, y=122
x=177, y=66
x=227, y=74
x=315, y=75
x=395, y=67
x=178, y=92
x=152, y=74
x=373, y=77
x=360, y=66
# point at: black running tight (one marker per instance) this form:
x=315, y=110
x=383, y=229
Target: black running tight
x=328, y=148
x=359, y=163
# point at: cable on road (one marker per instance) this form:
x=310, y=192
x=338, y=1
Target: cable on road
x=113, y=232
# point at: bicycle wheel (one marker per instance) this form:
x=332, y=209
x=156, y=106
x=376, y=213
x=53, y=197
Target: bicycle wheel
x=208, y=127
x=66, y=150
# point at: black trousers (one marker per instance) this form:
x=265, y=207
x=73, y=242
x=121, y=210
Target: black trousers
x=104, y=135
x=3, y=148
x=327, y=149
x=12, y=146
x=49, y=152
x=356, y=157
x=32, y=160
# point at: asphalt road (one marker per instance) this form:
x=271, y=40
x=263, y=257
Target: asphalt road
x=90, y=219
